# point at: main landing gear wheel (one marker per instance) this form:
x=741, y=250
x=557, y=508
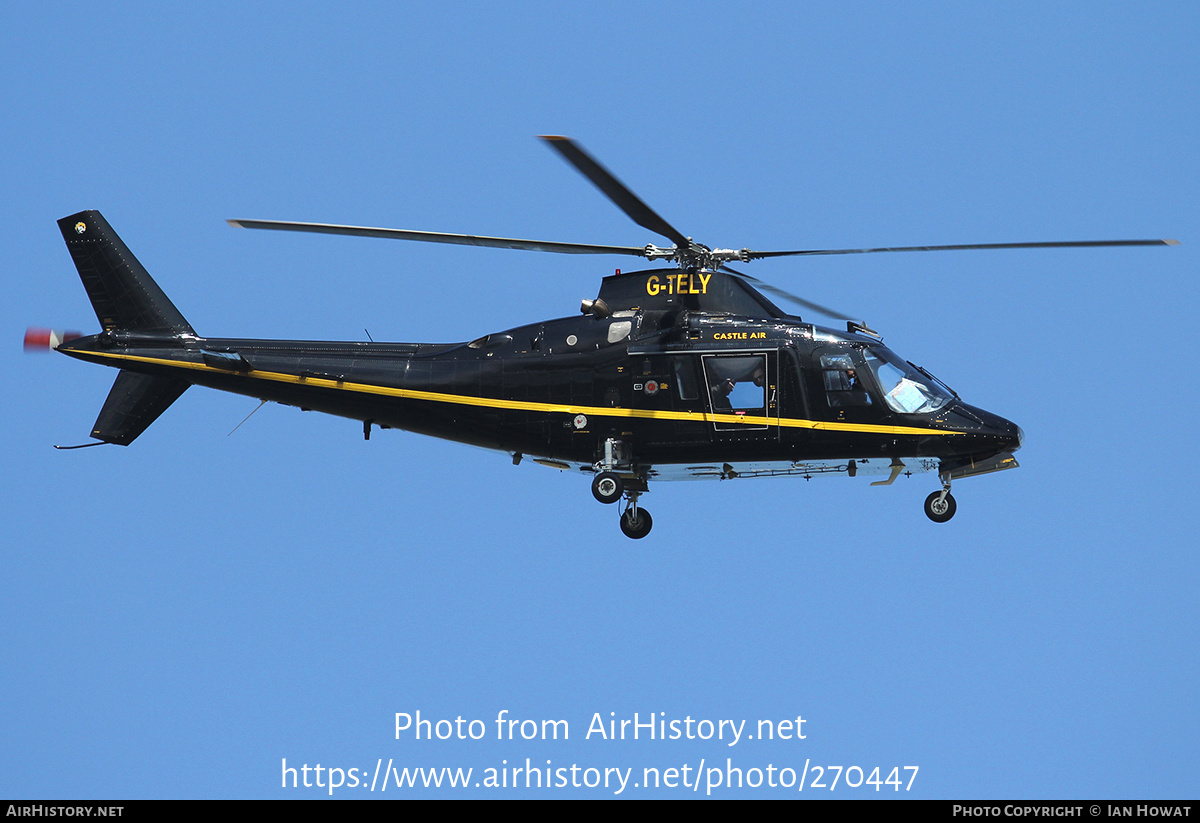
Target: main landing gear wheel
x=608, y=487
x=636, y=523
x=940, y=510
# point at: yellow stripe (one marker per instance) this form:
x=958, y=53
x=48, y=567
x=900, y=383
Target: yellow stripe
x=520, y=405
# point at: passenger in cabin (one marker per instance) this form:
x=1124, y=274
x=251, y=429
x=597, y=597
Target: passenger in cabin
x=720, y=394
x=727, y=395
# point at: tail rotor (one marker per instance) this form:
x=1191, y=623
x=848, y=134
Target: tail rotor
x=37, y=339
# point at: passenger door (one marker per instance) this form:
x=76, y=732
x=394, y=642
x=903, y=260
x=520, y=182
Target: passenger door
x=742, y=391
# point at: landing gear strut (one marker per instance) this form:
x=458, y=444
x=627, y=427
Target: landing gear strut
x=635, y=521
x=609, y=485
x=940, y=506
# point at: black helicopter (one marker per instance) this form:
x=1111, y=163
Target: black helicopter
x=682, y=372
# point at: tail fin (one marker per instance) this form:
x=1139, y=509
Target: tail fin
x=125, y=298
x=122, y=292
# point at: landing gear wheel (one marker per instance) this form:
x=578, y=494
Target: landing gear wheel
x=939, y=511
x=636, y=525
x=607, y=487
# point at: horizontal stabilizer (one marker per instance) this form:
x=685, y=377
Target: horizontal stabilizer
x=135, y=401
x=122, y=292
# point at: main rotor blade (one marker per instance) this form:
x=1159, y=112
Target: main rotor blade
x=1071, y=244
x=439, y=237
x=617, y=192
x=787, y=295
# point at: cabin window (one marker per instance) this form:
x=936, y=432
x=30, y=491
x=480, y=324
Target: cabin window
x=685, y=378
x=737, y=386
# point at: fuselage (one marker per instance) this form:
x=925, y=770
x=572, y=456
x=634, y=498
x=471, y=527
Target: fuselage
x=679, y=380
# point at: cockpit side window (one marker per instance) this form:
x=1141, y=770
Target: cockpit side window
x=843, y=384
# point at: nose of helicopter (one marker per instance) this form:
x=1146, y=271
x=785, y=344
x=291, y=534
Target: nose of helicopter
x=1005, y=434
x=985, y=431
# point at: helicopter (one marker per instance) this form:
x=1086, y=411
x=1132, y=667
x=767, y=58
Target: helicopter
x=687, y=371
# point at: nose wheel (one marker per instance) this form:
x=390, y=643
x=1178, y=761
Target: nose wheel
x=940, y=506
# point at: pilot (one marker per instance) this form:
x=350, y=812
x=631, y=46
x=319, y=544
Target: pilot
x=859, y=396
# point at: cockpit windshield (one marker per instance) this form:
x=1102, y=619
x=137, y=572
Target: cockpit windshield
x=905, y=389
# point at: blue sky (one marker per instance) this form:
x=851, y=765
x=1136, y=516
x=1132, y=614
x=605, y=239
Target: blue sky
x=180, y=616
